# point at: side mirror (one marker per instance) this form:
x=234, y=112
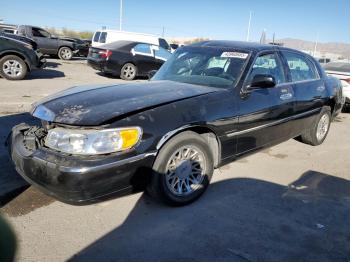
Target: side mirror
x=262, y=81
x=151, y=74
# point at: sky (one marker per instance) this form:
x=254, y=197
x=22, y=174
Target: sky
x=327, y=21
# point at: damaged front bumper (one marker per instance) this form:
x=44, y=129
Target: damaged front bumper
x=76, y=179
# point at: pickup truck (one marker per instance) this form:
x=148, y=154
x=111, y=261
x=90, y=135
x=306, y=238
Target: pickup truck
x=47, y=43
x=209, y=104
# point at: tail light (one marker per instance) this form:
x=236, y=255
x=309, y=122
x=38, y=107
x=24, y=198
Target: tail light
x=105, y=53
x=347, y=80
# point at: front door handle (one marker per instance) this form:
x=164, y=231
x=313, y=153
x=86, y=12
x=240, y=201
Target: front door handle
x=286, y=96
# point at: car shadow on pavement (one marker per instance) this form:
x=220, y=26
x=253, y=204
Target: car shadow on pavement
x=238, y=219
x=111, y=76
x=52, y=64
x=45, y=74
x=11, y=184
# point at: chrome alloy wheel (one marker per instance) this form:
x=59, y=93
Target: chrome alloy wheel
x=185, y=170
x=322, y=127
x=129, y=72
x=12, y=68
x=66, y=53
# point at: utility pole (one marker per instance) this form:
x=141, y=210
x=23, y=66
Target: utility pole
x=316, y=43
x=248, y=30
x=120, y=15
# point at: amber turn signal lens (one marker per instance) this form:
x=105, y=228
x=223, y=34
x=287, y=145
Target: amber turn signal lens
x=130, y=137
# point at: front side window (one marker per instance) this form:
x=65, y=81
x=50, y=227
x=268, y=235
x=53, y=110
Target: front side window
x=37, y=32
x=204, y=66
x=103, y=37
x=267, y=64
x=161, y=53
x=301, y=69
x=97, y=36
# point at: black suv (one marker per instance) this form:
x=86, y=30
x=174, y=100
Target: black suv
x=18, y=56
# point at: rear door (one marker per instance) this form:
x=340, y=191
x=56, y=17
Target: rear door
x=264, y=113
x=309, y=88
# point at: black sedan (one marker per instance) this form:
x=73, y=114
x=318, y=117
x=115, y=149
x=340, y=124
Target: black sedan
x=209, y=104
x=127, y=59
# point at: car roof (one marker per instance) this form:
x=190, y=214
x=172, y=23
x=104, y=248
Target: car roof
x=248, y=46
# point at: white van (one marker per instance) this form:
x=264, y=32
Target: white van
x=102, y=37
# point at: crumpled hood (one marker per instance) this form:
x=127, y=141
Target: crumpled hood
x=96, y=105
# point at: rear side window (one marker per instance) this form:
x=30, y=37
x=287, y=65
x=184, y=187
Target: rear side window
x=301, y=69
x=143, y=49
x=97, y=36
x=103, y=37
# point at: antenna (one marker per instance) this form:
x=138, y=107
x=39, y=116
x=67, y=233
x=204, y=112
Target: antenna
x=120, y=15
x=248, y=30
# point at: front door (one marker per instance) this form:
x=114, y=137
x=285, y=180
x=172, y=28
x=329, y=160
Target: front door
x=46, y=44
x=264, y=112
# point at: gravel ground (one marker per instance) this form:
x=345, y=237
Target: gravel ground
x=287, y=203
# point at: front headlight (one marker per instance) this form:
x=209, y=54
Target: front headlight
x=92, y=142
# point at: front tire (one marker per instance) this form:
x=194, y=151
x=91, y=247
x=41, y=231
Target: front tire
x=182, y=170
x=319, y=131
x=13, y=67
x=128, y=72
x=65, y=53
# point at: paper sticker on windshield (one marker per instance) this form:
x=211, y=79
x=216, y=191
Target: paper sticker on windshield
x=234, y=55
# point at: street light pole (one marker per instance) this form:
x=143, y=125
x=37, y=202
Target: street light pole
x=120, y=15
x=248, y=30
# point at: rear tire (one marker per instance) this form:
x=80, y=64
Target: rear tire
x=128, y=72
x=13, y=67
x=65, y=53
x=319, y=131
x=182, y=170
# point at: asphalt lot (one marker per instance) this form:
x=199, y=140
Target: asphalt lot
x=287, y=203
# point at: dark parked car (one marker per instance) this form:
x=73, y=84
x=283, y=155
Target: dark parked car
x=341, y=71
x=127, y=59
x=209, y=104
x=18, y=56
x=47, y=43
x=82, y=45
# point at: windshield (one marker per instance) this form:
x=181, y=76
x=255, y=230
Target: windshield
x=203, y=66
